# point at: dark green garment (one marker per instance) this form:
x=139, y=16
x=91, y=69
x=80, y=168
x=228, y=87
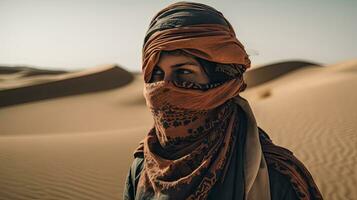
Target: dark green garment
x=280, y=186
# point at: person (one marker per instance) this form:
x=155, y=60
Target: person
x=205, y=142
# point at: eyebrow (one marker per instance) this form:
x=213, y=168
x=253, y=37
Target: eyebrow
x=181, y=64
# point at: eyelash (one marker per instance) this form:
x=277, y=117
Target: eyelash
x=180, y=71
x=157, y=70
x=183, y=71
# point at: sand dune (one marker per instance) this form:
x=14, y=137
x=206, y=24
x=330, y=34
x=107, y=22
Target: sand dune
x=28, y=84
x=80, y=146
x=259, y=75
x=313, y=112
x=28, y=71
x=73, y=147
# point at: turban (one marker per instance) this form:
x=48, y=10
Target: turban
x=196, y=29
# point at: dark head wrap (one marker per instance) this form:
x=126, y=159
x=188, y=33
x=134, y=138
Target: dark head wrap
x=185, y=14
x=180, y=15
x=200, y=31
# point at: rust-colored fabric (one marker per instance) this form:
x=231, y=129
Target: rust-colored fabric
x=212, y=42
x=195, y=28
x=284, y=161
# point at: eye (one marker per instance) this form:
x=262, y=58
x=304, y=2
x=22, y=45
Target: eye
x=184, y=71
x=157, y=72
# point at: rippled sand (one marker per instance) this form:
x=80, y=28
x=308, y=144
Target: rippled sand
x=313, y=112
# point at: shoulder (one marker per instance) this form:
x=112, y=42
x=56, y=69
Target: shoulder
x=283, y=167
x=137, y=165
x=280, y=185
x=135, y=169
x=132, y=178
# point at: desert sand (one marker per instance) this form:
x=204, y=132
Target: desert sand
x=70, y=135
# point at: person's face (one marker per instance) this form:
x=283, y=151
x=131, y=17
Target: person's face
x=179, y=67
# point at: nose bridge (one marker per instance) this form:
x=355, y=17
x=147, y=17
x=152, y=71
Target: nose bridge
x=168, y=74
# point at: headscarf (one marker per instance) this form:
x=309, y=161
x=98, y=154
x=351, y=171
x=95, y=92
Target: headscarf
x=190, y=147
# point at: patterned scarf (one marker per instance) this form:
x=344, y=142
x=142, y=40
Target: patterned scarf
x=195, y=132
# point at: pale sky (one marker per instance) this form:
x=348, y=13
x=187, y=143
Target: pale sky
x=78, y=34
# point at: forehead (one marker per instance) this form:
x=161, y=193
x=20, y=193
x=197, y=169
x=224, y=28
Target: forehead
x=175, y=57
